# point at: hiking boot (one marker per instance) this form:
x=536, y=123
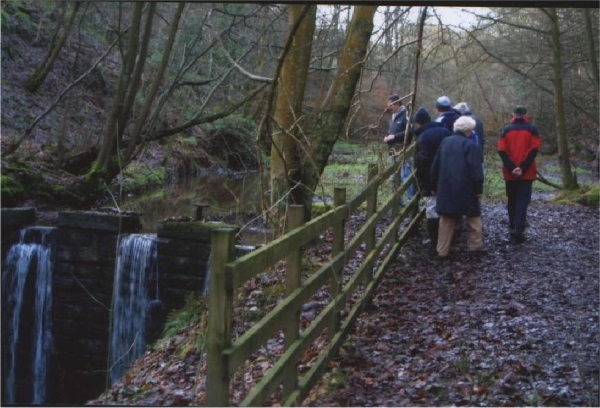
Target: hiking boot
x=433, y=226
x=520, y=238
x=517, y=236
x=477, y=253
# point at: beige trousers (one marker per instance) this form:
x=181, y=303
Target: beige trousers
x=446, y=231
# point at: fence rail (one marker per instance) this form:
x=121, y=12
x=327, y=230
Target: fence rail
x=227, y=274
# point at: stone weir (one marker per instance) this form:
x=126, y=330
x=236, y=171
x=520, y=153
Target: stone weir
x=83, y=251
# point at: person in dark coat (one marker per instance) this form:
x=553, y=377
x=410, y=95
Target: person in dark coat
x=396, y=135
x=457, y=176
x=477, y=135
x=446, y=114
x=518, y=146
x=398, y=121
x=429, y=136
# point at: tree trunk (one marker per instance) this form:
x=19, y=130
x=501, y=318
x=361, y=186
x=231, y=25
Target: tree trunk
x=332, y=116
x=136, y=78
x=110, y=132
x=141, y=119
x=336, y=34
x=285, y=150
x=39, y=75
x=589, y=35
x=568, y=180
x=63, y=133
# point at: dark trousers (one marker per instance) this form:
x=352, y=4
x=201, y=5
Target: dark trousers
x=519, y=196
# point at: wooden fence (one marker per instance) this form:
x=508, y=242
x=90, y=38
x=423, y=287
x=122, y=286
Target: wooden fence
x=227, y=274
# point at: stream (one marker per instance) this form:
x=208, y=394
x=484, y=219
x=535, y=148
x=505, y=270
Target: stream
x=234, y=199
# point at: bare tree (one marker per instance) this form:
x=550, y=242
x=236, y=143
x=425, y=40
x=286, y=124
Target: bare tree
x=568, y=179
x=285, y=150
x=36, y=79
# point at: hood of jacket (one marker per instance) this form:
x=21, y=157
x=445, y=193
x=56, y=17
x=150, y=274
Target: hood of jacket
x=427, y=126
x=519, y=119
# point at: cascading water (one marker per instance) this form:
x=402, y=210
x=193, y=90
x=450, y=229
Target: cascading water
x=19, y=261
x=240, y=250
x=136, y=261
x=206, y=289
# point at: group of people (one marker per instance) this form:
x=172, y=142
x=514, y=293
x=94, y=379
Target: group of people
x=449, y=168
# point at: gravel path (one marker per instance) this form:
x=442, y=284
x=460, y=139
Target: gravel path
x=517, y=326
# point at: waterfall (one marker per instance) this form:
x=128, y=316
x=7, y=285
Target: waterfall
x=240, y=250
x=19, y=262
x=206, y=289
x=43, y=318
x=136, y=260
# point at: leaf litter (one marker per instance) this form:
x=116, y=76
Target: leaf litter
x=517, y=326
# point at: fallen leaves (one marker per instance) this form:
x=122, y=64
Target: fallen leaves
x=516, y=327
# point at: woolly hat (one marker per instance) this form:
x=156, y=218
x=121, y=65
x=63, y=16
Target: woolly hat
x=520, y=110
x=422, y=116
x=394, y=99
x=443, y=102
x=462, y=107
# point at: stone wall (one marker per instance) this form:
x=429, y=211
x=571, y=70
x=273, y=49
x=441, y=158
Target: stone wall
x=183, y=253
x=84, y=247
x=84, y=261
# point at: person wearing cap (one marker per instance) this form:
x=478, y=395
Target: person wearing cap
x=446, y=114
x=396, y=133
x=429, y=136
x=518, y=146
x=477, y=135
x=457, y=178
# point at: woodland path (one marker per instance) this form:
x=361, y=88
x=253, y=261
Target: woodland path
x=518, y=326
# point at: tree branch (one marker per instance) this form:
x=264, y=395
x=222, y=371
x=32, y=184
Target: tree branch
x=241, y=69
x=594, y=118
x=205, y=119
x=544, y=180
x=497, y=20
x=11, y=148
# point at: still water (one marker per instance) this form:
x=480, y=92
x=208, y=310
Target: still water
x=230, y=198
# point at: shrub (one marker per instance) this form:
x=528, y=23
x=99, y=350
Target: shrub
x=12, y=191
x=138, y=177
x=232, y=141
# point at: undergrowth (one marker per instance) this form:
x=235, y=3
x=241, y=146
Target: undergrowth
x=194, y=313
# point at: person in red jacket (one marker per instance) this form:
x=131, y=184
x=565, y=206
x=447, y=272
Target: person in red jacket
x=518, y=145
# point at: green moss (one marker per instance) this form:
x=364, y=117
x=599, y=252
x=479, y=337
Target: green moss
x=189, y=226
x=96, y=173
x=346, y=148
x=180, y=320
x=137, y=177
x=592, y=197
x=318, y=209
x=20, y=182
x=11, y=190
x=232, y=140
x=585, y=195
x=556, y=170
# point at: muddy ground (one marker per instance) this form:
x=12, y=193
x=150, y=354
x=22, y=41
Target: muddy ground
x=517, y=326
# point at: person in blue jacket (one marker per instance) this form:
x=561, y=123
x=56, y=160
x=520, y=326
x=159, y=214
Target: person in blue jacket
x=446, y=114
x=477, y=135
x=429, y=136
x=457, y=178
x=396, y=135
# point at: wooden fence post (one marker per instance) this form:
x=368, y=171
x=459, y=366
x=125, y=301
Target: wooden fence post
x=339, y=199
x=371, y=209
x=396, y=204
x=396, y=174
x=220, y=317
x=293, y=279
